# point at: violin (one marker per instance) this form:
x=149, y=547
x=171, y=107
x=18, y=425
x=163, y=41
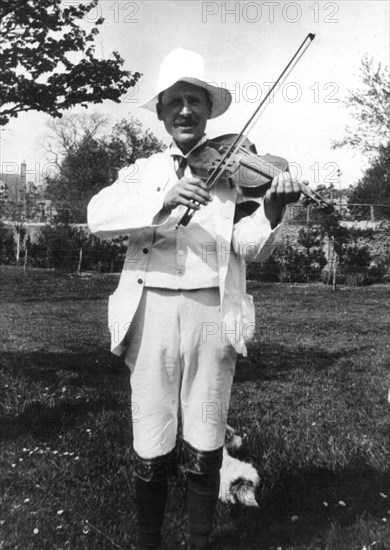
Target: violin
x=250, y=173
x=233, y=158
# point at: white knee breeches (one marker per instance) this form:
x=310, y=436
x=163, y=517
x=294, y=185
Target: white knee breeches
x=179, y=357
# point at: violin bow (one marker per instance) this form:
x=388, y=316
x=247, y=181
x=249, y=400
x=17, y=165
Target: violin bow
x=222, y=164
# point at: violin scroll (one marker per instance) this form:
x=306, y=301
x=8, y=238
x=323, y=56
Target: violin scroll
x=311, y=196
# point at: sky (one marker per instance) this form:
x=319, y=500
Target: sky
x=245, y=46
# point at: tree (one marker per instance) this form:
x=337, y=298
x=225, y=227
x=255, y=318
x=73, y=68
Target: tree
x=86, y=168
x=68, y=131
x=129, y=137
x=37, y=73
x=339, y=238
x=19, y=210
x=92, y=163
x=374, y=186
x=370, y=108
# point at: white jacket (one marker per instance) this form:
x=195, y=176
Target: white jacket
x=130, y=207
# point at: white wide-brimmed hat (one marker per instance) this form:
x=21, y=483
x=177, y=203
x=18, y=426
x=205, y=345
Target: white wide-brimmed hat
x=186, y=66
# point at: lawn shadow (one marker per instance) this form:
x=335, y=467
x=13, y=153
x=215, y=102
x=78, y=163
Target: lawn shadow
x=60, y=389
x=91, y=368
x=303, y=508
x=67, y=298
x=273, y=361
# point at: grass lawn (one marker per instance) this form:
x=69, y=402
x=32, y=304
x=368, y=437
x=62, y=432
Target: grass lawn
x=311, y=399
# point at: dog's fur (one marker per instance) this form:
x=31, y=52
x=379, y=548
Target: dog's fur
x=239, y=479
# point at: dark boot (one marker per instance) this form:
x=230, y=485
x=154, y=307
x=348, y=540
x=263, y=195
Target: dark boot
x=202, y=496
x=150, y=503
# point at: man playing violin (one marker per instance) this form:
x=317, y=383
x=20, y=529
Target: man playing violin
x=181, y=314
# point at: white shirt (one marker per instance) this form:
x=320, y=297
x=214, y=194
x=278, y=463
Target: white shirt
x=184, y=258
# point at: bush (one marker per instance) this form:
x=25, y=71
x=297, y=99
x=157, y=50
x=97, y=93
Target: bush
x=104, y=256
x=268, y=270
x=288, y=264
x=7, y=245
x=293, y=263
x=59, y=247
x=299, y=265
x=359, y=269
x=357, y=256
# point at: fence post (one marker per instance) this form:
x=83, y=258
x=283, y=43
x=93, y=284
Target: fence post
x=372, y=213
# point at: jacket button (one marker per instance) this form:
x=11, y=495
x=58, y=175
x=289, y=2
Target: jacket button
x=145, y=250
x=140, y=281
x=158, y=189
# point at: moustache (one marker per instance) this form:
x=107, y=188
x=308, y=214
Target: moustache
x=190, y=121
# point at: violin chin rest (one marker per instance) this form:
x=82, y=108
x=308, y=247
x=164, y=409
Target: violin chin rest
x=244, y=209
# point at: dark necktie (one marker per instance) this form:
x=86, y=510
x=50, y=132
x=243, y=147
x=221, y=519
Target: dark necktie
x=181, y=166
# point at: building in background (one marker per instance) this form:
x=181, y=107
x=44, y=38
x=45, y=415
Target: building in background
x=14, y=185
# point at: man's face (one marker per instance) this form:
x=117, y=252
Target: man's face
x=184, y=110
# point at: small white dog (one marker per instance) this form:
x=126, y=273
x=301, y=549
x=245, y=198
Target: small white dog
x=239, y=479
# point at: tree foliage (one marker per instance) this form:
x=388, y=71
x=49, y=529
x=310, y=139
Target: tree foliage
x=39, y=39
x=331, y=228
x=133, y=141
x=92, y=163
x=374, y=186
x=83, y=172
x=370, y=107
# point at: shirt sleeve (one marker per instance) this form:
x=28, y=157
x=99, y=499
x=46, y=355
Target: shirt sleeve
x=128, y=204
x=253, y=237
